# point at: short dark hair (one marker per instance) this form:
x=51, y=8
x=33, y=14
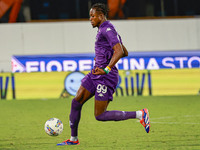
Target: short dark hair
x=100, y=7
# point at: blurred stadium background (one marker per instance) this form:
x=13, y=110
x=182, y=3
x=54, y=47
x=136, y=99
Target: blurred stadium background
x=48, y=45
x=46, y=36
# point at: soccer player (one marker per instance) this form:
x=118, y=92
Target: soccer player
x=103, y=78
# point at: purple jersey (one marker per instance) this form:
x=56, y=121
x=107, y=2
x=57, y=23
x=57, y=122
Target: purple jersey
x=106, y=38
x=103, y=86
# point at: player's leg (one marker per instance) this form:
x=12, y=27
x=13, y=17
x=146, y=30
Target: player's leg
x=81, y=97
x=102, y=114
x=104, y=93
x=84, y=93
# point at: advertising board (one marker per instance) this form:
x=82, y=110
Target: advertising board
x=84, y=62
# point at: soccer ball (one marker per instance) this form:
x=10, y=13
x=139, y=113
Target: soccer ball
x=53, y=127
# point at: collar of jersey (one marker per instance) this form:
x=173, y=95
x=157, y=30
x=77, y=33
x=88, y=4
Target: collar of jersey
x=104, y=24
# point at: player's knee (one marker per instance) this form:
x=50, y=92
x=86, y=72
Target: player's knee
x=100, y=117
x=76, y=105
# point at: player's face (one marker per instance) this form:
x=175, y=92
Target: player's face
x=95, y=18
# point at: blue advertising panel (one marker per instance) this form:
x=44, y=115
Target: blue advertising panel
x=84, y=62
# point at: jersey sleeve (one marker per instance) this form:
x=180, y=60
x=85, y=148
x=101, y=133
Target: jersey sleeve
x=112, y=36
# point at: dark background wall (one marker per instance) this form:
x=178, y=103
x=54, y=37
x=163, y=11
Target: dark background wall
x=77, y=9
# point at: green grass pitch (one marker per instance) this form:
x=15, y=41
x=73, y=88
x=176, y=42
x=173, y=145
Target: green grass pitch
x=175, y=122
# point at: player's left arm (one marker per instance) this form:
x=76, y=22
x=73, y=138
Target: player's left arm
x=125, y=51
x=119, y=52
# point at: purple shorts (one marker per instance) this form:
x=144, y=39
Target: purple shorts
x=102, y=86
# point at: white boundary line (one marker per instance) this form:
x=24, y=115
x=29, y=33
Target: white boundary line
x=174, y=122
x=169, y=117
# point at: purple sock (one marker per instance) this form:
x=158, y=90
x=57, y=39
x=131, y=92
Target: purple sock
x=75, y=116
x=116, y=115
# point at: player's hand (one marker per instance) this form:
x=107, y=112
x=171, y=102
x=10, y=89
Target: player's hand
x=98, y=71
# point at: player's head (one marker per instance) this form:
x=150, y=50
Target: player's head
x=98, y=14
